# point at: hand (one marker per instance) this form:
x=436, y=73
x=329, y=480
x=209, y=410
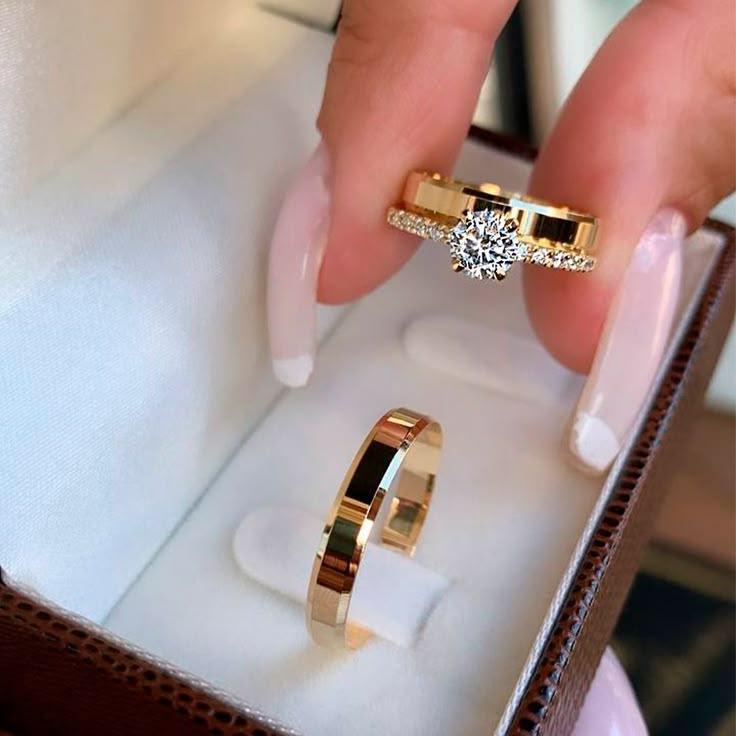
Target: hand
x=645, y=142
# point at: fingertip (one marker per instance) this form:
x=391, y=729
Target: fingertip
x=567, y=311
x=361, y=259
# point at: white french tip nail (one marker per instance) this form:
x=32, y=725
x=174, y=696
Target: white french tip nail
x=634, y=339
x=294, y=372
x=297, y=247
x=593, y=442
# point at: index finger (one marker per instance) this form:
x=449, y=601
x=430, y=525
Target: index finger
x=401, y=89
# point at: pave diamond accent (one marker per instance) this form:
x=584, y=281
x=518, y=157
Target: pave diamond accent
x=484, y=244
x=565, y=261
x=426, y=226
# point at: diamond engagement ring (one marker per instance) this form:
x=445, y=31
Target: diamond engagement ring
x=488, y=230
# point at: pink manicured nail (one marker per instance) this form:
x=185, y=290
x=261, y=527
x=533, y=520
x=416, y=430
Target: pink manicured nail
x=610, y=707
x=297, y=248
x=634, y=337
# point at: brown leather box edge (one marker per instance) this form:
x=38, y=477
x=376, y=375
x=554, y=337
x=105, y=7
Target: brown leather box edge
x=56, y=677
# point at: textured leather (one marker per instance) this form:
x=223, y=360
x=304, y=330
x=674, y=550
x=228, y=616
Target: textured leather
x=56, y=678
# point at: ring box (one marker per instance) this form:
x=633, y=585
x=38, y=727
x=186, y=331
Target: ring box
x=144, y=423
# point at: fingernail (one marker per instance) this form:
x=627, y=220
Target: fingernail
x=634, y=338
x=296, y=253
x=610, y=707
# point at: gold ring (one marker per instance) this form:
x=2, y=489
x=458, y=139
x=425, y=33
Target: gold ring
x=401, y=450
x=488, y=230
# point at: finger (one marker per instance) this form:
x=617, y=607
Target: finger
x=646, y=143
x=610, y=707
x=401, y=89
x=403, y=84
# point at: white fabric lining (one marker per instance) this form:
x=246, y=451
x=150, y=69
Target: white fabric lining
x=134, y=355
x=67, y=69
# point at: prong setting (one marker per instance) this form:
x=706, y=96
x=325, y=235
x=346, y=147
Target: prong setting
x=429, y=227
x=485, y=244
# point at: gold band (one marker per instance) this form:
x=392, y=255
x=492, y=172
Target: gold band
x=540, y=222
x=428, y=228
x=402, y=449
x=489, y=229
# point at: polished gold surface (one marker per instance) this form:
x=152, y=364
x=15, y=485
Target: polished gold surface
x=400, y=456
x=444, y=209
x=542, y=222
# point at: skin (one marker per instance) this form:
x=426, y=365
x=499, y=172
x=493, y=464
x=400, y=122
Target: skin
x=651, y=124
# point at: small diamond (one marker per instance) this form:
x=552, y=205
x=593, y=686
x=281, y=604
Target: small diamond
x=484, y=244
x=558, y=260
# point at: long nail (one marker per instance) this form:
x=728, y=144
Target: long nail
x=610, y=707
x=297, y=249
x=634, y=338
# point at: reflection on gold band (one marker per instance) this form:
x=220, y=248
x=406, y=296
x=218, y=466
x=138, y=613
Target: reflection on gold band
x=402, y=450
x=539, y=222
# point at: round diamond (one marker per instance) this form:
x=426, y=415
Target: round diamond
x=484, y=244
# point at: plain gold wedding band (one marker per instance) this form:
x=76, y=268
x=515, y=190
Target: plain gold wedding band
x=400, y=455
